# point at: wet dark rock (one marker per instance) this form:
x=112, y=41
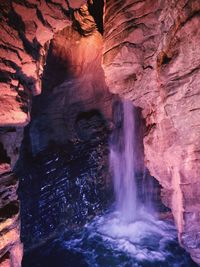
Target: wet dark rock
x=63, y=186
x=53, y=255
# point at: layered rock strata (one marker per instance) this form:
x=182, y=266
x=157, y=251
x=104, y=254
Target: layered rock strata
x=151, y=56
x=26, y=29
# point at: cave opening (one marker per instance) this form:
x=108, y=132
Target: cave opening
x=96, y=9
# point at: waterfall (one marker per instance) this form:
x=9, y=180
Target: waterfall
x=123, y=161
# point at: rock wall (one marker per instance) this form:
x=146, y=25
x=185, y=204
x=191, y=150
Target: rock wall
x=26, y=27
x=151, y=56
x=63, y=165
x=10, y=245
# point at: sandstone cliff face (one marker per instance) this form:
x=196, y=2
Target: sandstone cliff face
x=151, y=56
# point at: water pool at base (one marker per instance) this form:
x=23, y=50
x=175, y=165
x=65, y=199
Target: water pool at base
x=109, y=241
x=128, y=235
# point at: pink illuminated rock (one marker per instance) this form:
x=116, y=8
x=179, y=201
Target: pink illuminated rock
x=10, y=245
x=77, y=4
x=151, y=56
x=21, y=42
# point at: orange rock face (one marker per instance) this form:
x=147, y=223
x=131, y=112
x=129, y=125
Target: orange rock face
x=24, y=30
x=151, y=56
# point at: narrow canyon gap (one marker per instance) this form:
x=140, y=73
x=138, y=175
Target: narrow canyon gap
x=52, y=79
x=65, y=148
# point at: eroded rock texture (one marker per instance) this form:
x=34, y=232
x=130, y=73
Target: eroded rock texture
x=65, y=150
x=63, y=166
x=26, y=27
x=151, y=56
x=10, y=245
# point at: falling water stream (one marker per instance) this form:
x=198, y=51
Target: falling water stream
x=127, y=235
x=123, y=163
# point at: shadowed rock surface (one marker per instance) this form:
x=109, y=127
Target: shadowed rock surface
x=26, y=30
x=63, y=166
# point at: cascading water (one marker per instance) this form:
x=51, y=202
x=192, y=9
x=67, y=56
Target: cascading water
x=128, y=235
x=123, y=164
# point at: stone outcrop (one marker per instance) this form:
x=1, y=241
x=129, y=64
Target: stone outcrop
x=151, y=56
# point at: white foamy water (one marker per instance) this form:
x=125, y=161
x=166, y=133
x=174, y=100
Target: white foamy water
x=130, y=228
x=144, y=238
x=129, y=236
x=109, y=241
